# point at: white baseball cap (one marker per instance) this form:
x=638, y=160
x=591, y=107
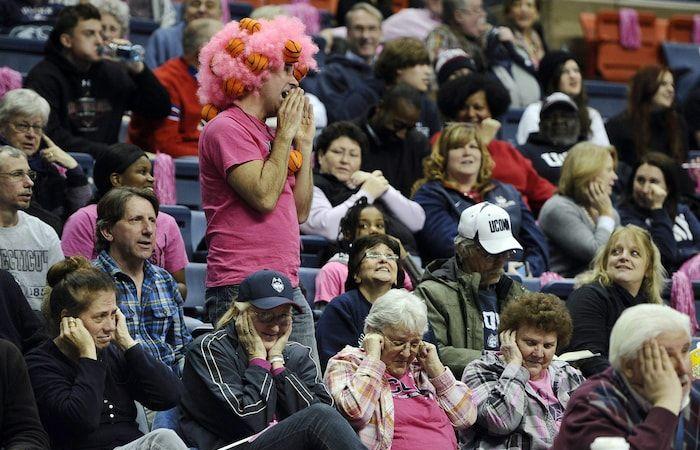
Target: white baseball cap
x=490, y=226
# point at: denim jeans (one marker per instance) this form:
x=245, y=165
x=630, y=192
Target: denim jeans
x=318, y=427
x=219, y=299
x=156, y=440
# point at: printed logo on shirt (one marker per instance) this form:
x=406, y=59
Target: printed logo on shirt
x=491, y=321
x=24, y=260
x=554, y=159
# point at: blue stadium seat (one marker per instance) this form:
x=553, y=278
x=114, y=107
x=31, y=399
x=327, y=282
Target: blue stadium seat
x=199, y=227
x=509, y=124
x=307, y=277
x=187, y=182
x=608, y=98
x=86, y=162
x=560, y=288
x=20, y=54
x=195, y=276
x=684, y=61
x=531, y=284
x=183, y=217
x=140, y=30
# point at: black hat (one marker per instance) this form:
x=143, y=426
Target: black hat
x=267, y=289
x=450, y=61
x=549, y=65
x=115, y=159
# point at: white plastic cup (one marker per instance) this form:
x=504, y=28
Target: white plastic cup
x=610, y=443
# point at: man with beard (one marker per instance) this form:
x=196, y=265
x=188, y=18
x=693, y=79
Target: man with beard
x=396, y=147
x=642, y=394
x=28, y=246
x=465, y=294
x=256, y=189
x=560, y=129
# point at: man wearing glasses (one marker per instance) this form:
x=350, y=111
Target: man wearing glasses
x=28, y=246
x=396, y=147
x=466, y=293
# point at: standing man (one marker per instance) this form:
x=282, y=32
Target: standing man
x=255, y=190
x=28, y=246
x=89, y=94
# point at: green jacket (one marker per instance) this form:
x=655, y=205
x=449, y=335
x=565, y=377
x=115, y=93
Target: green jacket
x=454, y=312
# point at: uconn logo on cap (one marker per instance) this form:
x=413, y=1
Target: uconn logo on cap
x=499, y=225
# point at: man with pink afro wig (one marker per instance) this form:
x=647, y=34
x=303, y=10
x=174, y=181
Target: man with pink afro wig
x=256, y=183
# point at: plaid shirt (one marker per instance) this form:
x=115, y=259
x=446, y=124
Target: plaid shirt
x=363, y=395
x=156, y=320
x=511, y=415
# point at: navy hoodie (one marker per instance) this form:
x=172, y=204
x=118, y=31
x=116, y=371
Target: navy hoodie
x=87, y=107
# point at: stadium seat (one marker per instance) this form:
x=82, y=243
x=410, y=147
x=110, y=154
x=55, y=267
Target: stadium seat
x=183, y=217
x=509, y=124
x=20, y=54
x=560, y=288
x=680, y=28
x=195, y=277
x=140, y=30
x=587, y=22
x=187, y=182
x=199, y=229
x=307, y=278
x=684, y=61
x=531, y=284
x=608, y=98
x=239, y=10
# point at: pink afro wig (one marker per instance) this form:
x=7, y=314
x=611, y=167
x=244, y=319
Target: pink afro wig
x=256, y=44
x=9, y=79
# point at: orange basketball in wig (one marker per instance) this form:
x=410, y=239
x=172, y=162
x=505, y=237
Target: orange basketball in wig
x=291, y=52
x=209, y=112
x=294, y=164
x=250, y=25
x=300, y=71
x=233, y=87
x=256, y=62
x=235, y=47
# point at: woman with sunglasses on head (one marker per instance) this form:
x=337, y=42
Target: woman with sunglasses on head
x=248, y=383
x=374, y=267
x=60, y=186
x=457, y=176
x=393, y=388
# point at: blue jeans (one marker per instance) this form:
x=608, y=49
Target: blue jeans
x=219, y=299
x=318, y=427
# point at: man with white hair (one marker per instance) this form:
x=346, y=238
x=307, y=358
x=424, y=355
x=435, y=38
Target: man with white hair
x=640, y=397
x=466, y=293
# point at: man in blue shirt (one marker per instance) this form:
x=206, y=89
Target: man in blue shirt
x=146, y=294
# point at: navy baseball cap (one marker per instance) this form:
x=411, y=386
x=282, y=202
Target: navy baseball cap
x=267, y=289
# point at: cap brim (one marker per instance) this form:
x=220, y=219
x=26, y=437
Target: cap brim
x=497, y=246
x=274, y=302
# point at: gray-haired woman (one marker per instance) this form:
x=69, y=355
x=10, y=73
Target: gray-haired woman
x=394, y=390
x=60, y=186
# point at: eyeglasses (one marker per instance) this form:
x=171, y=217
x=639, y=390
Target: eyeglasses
x=412, y=345
x=508, y=254
x=268, y=317
x=377, y=255
x=18, y=175
x=24, y=127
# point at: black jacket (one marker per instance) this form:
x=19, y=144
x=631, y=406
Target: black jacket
x=20, y=428
x=594, y=310
x=18, y=323
x=546, y=158
x=89, y=404
x=227, y=399
x=87, y=108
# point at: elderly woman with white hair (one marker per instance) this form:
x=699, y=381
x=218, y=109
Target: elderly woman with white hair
x=114, y=15
x=60, y=186
x=394, y=390
x=640, y=396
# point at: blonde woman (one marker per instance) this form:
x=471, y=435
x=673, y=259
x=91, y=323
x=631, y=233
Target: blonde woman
x=457, y=175
x=627, y=271
x=580, y=218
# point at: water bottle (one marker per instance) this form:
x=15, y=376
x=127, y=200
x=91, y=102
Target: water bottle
x=124, y=52
x=610, y=443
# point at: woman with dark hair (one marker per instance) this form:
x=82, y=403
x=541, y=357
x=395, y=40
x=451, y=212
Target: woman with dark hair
x=125, y=165
x=374, y=267
x=653, y=203
x=361, y=220
x=523, y=18
x=651, y=121
x=88, y=376
x=522, y=391
x=559, y=72
x=479, y=99
x=339, y=183
x=457, y=176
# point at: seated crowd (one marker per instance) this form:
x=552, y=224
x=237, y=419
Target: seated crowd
x=420, y=330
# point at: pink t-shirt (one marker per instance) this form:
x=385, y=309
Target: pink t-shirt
x=242, y=240
x=79, y=237
x=543, y=388
x=419, y=422
x=330, y=281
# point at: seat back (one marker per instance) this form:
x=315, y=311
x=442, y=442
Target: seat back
x=140, y=30
x=187, y=182
x=195, y=277
x=608, y=98
x=183, y=217
x=560, y=288
x=684, y=60
x=509, y=124
x=20, y=54
x=680, y=28
x=307, y=277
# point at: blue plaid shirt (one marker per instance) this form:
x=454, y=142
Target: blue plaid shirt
x=156, y=320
